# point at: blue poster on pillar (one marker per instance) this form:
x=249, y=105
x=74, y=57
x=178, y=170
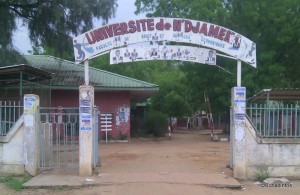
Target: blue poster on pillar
x=85, y=121
x=240, y=94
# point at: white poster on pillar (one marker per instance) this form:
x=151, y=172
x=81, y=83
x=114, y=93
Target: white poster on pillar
x=239, y=130
x=239, y=112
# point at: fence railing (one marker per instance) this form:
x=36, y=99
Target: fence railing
x=275, y=121
x=96, y=138
x=10, y=112
x=58, y=137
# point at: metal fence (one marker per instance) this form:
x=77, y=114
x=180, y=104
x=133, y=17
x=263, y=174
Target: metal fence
x=275, y=120
x=58, y=137
x=96, y=137
x=10, y=112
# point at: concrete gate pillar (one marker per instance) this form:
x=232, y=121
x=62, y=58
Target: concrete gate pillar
x=31, y=125
x=238, y=98
x=86, y=129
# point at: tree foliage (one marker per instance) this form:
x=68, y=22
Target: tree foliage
x=273, y=25
x=155, y=123
x=51, y=22
x=171, y=99
x=10, y=56
x=205, y=10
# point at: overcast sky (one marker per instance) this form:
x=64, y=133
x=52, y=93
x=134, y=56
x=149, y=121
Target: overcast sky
x=125, y=11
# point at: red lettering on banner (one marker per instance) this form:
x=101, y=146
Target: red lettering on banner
x=160, y=25
x=203, y=29
x=188, y=26
x=132, y=27
x=109, y=30
x=117, y=30
x=103, y=32
x=90, y=40
x=138, y=26
x=177, y=25
x=227, y=37
x=213, y=31
x=222, y=33
x=123, y=27
x=143, y=22
x=98, y=34
x=167, y=26
x=195, y=29
x=150, y=24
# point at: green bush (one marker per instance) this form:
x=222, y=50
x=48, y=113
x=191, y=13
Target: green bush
x=136, y=133
x=123, y=136
x=261, y=175
x=155, y=123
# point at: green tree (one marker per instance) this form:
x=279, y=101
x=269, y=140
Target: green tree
x=176, y=105
x=198, y=78
x=273, y=25
x=155, y=123
x=205, y=10
x=172, y=98
x=52, y=22
x=9, y=56
x=211, y=80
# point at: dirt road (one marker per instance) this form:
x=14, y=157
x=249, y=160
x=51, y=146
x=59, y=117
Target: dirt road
x=186, y=153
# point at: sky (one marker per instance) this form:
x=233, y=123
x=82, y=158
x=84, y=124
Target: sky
x=125, y=11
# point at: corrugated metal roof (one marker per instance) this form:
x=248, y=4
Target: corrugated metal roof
x=12, y=74
x=277, y=94
x=67, y=74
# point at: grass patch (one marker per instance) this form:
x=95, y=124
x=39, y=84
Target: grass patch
x=261, y=175
x=15, y=183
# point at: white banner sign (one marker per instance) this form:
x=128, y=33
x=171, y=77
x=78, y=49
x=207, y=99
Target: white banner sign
x=116, y=35
x=163, y=52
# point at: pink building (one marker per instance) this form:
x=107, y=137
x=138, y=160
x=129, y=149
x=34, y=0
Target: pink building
x=113, y=93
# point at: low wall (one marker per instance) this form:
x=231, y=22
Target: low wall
x=280, y=156
x=11, y=150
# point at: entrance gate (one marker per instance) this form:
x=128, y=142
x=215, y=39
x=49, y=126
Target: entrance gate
x=58, y=138
x=120, y=36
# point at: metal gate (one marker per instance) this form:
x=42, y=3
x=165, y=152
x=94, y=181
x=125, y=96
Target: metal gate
x=59, y=138
x=96, y=139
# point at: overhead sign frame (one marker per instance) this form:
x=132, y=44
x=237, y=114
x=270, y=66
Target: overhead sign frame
x=102, y=39
x=105, y=38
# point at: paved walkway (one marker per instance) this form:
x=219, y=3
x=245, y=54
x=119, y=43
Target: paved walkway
x=213, y=180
